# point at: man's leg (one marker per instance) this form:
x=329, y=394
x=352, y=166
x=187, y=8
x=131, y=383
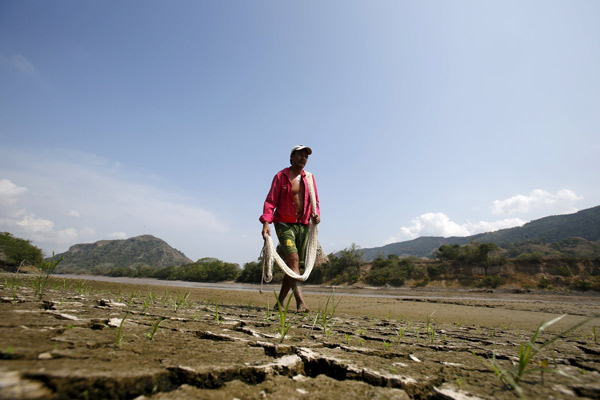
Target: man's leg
x=292, y=261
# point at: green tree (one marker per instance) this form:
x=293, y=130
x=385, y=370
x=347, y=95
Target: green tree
x=14, y=251
x=344, y=267
x=252, y=273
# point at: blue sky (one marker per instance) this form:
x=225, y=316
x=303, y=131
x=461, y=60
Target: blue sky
x=426, y=118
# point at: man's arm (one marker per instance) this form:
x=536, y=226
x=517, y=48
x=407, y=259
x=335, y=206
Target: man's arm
x=317, y=218
x=270, y=204
x=266, y=230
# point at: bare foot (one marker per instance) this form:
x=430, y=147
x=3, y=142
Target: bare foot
x=302, y=309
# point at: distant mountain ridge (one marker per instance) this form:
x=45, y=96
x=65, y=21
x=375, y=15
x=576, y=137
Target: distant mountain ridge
x=583, y=224
x=127, y=253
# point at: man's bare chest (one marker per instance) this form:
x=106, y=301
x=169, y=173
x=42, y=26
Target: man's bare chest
x=297, y=186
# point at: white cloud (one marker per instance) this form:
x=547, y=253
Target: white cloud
x=63, y=198
x=538, y=200
x=30, y=224
x=19, y=63
x=439, y=224
x=9, y=192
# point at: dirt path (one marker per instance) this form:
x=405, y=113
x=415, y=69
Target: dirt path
x=221, y=344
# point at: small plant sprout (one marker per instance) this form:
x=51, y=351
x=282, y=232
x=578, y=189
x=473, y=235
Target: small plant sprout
x=182, y=300
x=399, y=335
x=431, y=336
x=284, y=322
x=151, y=297
x=348, y=338
x=40, y=282
x=150, y=335
x=326, y=317
x=386, y=345
x=527, y=352
x=361, y=341
x=145, y=306
x=165, y=298
x=429, y=322
x=120, y=335
x=131, y=297
x=85, y=288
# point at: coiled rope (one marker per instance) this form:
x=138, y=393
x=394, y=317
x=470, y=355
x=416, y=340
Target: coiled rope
x=269, y=254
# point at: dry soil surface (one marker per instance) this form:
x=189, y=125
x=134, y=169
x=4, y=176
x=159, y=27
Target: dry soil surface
x=97, y=340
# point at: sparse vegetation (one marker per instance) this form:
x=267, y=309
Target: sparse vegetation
x=489, y=260
x=40, y=281
x=285, y=323
x=150, y=335
x=120, y=335
x=182, y=300
x=527, y=352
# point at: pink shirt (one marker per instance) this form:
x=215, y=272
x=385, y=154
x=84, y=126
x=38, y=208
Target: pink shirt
x=281, y=201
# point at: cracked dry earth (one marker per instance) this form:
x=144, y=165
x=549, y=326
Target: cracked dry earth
x=68, y=346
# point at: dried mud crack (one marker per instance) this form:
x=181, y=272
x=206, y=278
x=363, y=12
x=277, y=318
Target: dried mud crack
x=132, y=344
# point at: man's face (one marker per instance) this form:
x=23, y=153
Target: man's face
x=299, y=158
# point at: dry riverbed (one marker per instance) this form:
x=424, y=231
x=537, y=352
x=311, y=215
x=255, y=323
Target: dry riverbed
x=96, y=340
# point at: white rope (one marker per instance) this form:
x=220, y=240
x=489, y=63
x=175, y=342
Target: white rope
x=269, y=254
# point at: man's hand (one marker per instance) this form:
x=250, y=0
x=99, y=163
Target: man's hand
x=266, y=230
x=316, y=219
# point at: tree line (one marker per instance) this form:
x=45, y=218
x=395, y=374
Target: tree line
x=346, y=267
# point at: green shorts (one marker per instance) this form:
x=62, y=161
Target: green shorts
x=292, y=239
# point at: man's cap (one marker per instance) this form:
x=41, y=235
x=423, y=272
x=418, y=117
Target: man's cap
x=301, y=147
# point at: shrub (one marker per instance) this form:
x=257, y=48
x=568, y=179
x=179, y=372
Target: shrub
x=534, y=257
x=397, y=280
x=17, y=250
x=543, y=283
x=422, y=283
x=561, y=270
x=434, y=271
x=252, y=273
x=345, y=266
x=492, y=281
x=581, y=285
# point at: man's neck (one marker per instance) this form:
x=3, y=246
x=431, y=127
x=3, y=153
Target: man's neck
x=296, y=170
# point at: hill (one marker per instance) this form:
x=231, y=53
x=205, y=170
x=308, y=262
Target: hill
x=584, y=224
x=103, y=255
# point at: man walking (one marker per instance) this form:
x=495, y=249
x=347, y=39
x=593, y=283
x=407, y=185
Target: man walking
x=288, y=206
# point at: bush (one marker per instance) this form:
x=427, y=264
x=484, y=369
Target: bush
x=422, y=283
x=581, y=285
x=563, y=271
x=206, y=270
x=534, y=257
x=492, y=281
x=344, y=267
x=252, y=273
x=13, y=251
x=434, y=271
x=543, y=283
x=378, y=277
